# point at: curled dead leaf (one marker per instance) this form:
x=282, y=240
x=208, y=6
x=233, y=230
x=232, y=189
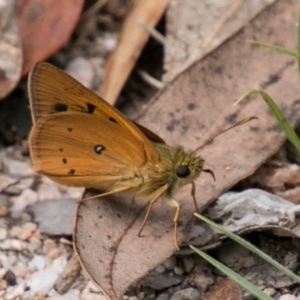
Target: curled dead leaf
x=107, y=243
x=45, y=26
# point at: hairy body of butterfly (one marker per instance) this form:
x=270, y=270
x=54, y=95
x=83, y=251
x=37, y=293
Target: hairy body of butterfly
x=59, y=152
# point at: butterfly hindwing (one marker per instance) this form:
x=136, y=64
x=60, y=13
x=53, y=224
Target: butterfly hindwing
x=84, y=150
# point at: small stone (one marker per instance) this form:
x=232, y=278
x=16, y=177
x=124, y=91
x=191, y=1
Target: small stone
x=48, y=190
x=170, y=263
x=26, y=234
x=178, y=270
x=81, y=69
x=109, y=43
x=141, y=295
x=4, y=205
x=2, y=273
x=202, y=281
x=38, y=261
x=34, y=244
x=160, y=269
x=163, y=297
x=269, y=291
x=70, y=295
x=288, y=297
x=3, y=211
x=20, y=270
x=3, y=234
x=20, y=186
x=49, y=245
x=59, y=264
x=30, y=226
x=55, y=217
x=15, y=292
x=15, y=231
x=106, y=44
x=186, y=294
x=7, y=261
x=12, y=244
x=188, y=263
x=17, y=167
x=4, y=201
x=54, y=253
x=3, y=223
x=10, y=278
x=26, y=217
x=42, y=281
x=159, y=281
x=28, y=197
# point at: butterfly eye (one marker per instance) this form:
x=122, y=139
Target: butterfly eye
x=182, y=171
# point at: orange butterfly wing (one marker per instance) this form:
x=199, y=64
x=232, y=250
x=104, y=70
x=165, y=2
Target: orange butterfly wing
x=84, y=150
x=53, y=91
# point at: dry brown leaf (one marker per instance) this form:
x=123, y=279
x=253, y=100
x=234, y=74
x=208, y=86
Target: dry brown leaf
x=45, y=26
x=109, y=248
x=199, y=101
x=195, y=28
x=133, y=37
x=224, y=289
x=283, y=181
x=10, y=49
x=187, y=111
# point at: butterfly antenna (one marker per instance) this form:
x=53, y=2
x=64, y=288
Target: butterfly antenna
x=246, y=120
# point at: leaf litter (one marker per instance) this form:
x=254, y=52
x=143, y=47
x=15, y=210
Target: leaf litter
x=195, y=105
x=184, y=93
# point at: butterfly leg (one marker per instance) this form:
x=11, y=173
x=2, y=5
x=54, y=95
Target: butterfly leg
x=105, y=194
x=193, y=194
x=173, y=203
x=152, y=201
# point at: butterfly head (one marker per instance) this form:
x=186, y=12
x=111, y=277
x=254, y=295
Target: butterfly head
x=187, y=169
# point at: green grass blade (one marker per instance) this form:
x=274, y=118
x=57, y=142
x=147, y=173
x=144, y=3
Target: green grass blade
x=277, y=48
x=251, y=247
x=292, y=136
x=233, y=275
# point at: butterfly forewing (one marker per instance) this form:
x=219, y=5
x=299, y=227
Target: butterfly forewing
x=83, y=149
x=52, y=91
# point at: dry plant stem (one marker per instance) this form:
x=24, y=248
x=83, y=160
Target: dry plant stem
x=229, y=14
x=68, y=276
x=154, y=33
x=91, y=11
x=150, y=80
x=132, y=39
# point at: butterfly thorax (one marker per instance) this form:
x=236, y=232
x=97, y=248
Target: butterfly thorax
x=175, y=169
